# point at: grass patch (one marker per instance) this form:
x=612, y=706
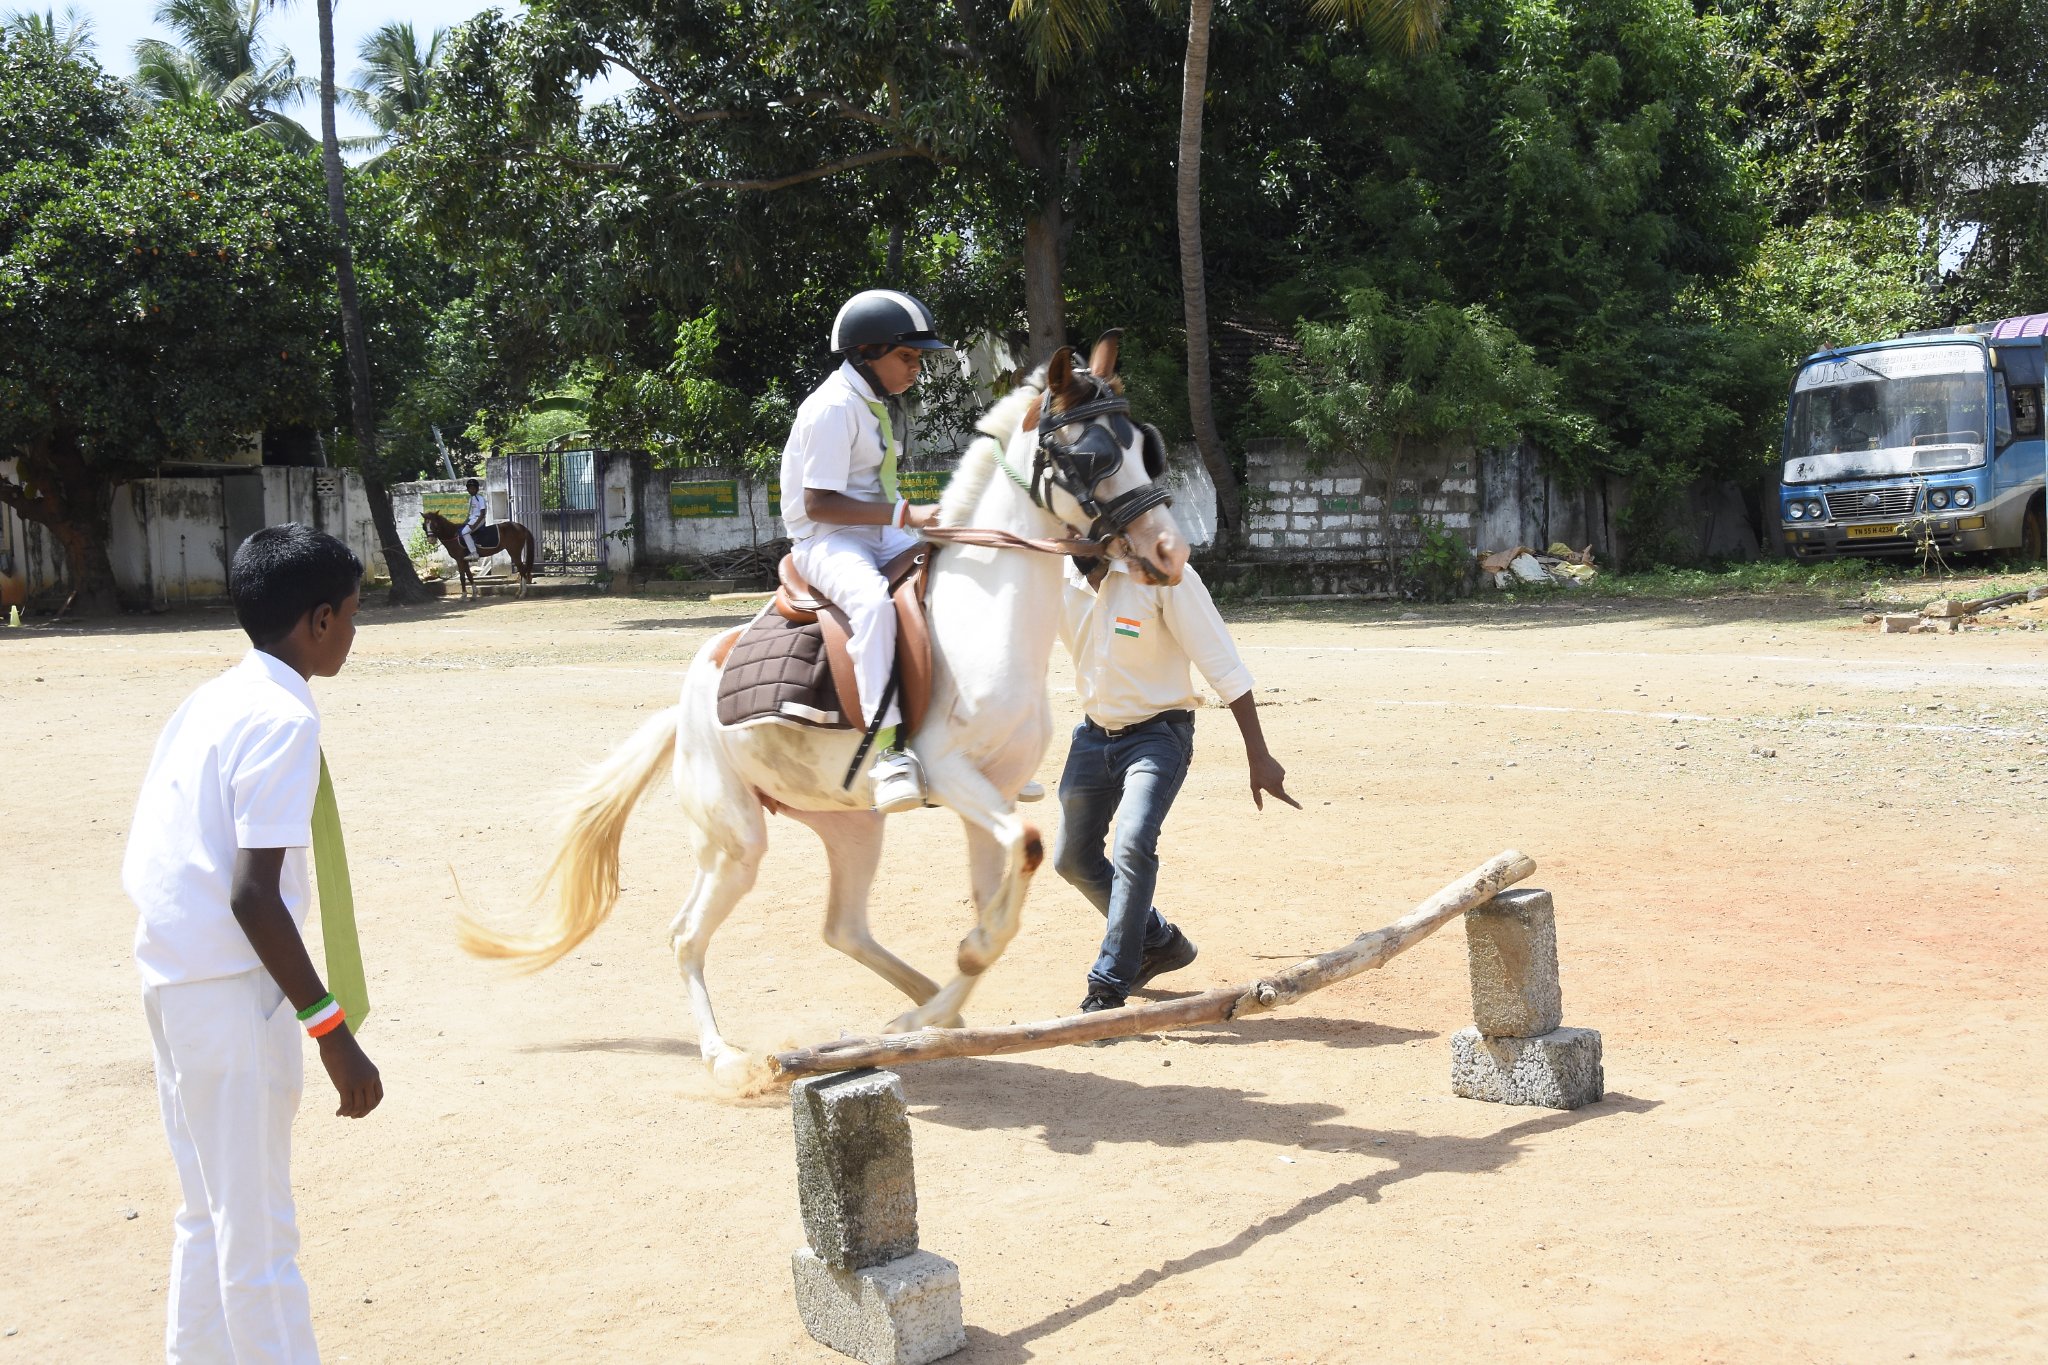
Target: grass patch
x=1876, y=582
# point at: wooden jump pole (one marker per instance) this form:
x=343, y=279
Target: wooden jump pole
x=1366, y=951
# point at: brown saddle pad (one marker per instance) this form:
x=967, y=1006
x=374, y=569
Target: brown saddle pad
x=792, y=662
x=777, y=670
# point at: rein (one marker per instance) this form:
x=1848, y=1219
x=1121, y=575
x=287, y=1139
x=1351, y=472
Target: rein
x=993, y=539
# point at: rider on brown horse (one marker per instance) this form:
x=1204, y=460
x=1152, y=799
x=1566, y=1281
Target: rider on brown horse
x=474, y=522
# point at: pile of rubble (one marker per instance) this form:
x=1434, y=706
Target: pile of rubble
x=1559, y=564
x=2026, y=609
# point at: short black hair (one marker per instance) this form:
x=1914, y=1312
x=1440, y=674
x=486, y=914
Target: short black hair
x=472, y=485
x=282, y=572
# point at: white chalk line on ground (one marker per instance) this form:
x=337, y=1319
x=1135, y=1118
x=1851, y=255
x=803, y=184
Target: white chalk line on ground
x=1813, y=723
x=1858, y=672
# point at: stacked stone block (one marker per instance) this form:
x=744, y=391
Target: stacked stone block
x=1304, y=507
x=862, y=1285
x=1518, y=1051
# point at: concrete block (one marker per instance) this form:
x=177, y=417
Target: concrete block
x=1511, y=945
x=1559, y=1069
x=1896, y=624
x=1262, y=540
x=854, y=1178
x=1348, y=486
x=904, y=1312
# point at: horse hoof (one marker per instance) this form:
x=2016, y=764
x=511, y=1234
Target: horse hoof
x=736, y=1072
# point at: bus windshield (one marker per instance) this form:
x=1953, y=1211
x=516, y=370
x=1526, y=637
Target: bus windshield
x=1911, y=410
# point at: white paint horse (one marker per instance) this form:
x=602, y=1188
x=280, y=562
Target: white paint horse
x=994, y=613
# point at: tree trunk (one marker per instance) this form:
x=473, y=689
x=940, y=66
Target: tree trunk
x=405, y=584
x=1036, y=139
x=1193, y=282
x=1045, y=305
x=59, y=490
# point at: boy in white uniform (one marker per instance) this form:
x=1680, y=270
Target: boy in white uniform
x=216, y=866
x=479, y=510
x=840, y=503
x=1132, y=644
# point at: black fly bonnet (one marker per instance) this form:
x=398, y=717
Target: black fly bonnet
x=1097, y=454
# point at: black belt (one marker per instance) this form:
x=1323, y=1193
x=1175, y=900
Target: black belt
x=1118, y=732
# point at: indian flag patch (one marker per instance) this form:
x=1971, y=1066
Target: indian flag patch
x=1126, y=626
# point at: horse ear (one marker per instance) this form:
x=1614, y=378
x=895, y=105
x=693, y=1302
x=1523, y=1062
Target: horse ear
x=1102, y=360
x=1059, y=374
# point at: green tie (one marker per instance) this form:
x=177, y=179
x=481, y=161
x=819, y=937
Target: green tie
x=881, y=412
x=337, y=907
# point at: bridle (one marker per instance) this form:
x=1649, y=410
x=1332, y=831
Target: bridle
x=1076, y=467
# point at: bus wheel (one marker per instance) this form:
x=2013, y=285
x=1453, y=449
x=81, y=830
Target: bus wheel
x=2034, y=533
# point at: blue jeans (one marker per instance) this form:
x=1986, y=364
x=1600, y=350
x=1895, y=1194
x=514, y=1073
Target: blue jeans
x=1131, y=779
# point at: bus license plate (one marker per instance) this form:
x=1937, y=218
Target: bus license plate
x=1865, y=532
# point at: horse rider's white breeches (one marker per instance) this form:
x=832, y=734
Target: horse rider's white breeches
x=470, y=540
x=846, y=566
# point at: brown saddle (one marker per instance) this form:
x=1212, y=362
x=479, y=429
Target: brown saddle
x=792, y=662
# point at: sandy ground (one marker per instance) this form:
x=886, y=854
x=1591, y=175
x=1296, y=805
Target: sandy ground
x=1823, y=1137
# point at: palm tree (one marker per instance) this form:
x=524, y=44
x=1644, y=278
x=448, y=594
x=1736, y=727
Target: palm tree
x=220, y=58
x=392, y=87
x=1060, y=28
x=405, y=583
x=65, y=39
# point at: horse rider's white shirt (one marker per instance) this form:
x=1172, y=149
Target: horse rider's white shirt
x=835, y=445
x=478, y=510
x=1132, y=643
x=237, y=767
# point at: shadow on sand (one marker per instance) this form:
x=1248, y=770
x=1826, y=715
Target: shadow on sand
x=1076, y=1111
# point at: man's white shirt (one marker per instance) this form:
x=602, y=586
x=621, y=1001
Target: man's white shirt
x=834, y=445
x=237, y=767
x=1132, y=643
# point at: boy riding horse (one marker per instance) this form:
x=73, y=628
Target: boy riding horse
x=474, y=522
x=841, y=505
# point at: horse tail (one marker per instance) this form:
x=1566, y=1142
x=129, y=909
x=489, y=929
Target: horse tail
x=526, y=570
x=586, y=861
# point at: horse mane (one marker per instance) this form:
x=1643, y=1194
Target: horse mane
x=978, y=462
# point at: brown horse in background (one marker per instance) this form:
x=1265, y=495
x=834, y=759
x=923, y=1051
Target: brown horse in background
x=515, y=540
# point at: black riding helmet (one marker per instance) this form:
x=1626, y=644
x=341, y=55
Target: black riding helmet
x=884, y=317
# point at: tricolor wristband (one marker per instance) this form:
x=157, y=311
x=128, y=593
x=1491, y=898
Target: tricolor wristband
x=322, y=1017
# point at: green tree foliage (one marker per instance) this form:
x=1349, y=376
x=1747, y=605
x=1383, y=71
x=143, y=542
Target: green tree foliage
x=1572, y=170
x=1394, y=385
x=1879, y=128
x=392, y=88
x=769, y=162
x=162, y=290
x=221, y=59
x=63, y=37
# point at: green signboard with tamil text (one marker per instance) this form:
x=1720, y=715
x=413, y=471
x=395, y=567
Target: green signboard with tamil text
x=705, y=498
x=454, y=506
x=922, y=485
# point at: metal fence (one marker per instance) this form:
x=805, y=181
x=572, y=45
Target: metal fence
x=555, y=494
